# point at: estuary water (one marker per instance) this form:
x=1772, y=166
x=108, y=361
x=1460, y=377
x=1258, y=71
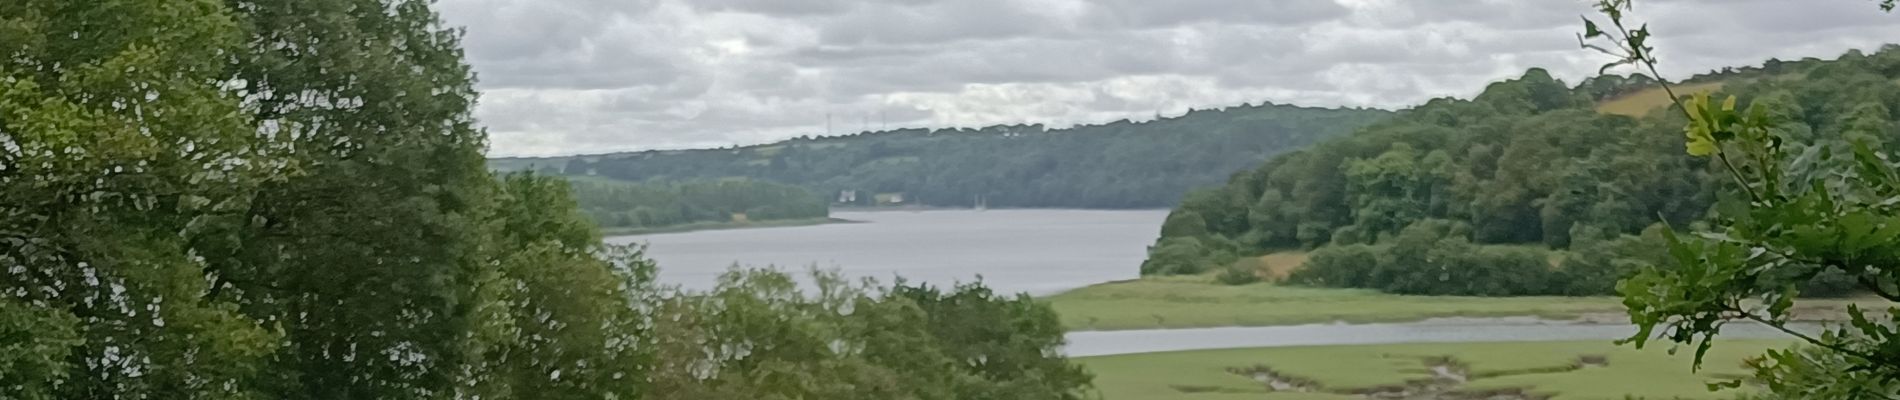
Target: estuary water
x=1036, y=251
x=1439, y=330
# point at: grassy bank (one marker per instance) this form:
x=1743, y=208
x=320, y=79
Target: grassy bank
x=707, y=226
x=1194, y=301
x=1563, y=370
x=1199, y=302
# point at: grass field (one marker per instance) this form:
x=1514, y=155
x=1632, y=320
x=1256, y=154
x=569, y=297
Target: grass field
x=1195, y=301
x=1199, y=302
x=1559, y=370
x=1642, y=102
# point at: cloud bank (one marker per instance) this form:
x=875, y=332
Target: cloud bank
x=589, y=76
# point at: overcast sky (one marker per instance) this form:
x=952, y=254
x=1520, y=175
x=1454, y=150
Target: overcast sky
x=563, y=77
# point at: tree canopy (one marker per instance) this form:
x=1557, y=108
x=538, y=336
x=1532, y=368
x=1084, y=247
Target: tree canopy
x=1122, y=164
x=1528, y=161
x=286, y=199
x=623, y=205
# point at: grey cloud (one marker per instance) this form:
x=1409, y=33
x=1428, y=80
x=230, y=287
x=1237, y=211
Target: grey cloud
x=1150, y=13
x=777, y=7
x=588, y=76
x=935, y=23
x=1496, y=14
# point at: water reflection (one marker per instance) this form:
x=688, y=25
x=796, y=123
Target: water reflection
x=1036, y=251
x=1442, y=330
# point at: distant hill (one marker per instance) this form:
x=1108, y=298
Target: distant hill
x=1528, y=161
x=1645, y=101
x=1122, y=164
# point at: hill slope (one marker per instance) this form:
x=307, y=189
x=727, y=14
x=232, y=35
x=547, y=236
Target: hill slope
x=1529, y=160
x=1116, y=165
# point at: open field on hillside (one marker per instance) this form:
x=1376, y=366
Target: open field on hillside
x=1642, y=102
x=1554, y=370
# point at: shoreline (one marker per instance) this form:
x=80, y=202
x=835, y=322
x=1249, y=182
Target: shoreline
x=915, y=208
x=1188, y=303
x=718, y=226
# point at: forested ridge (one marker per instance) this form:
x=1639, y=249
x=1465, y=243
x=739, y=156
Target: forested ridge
x=1122, y=164
x=287, y=199
x=617, y=205
x=1529, y=161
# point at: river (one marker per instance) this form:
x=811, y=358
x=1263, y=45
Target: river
x=1036, y=251
x=1044, y=252
x=1440, y=330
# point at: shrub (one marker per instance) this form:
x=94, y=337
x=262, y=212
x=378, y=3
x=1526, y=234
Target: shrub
x=1338, y=266
x=1239, y=273
x=1176, y=256
x=1449, y=266
x=1349, y=235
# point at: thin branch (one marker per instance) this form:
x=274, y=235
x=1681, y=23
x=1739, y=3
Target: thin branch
x=1650, y=63
x=1805, y=337
x=1878, y=290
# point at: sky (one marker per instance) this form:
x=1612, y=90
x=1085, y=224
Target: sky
x=563, y=77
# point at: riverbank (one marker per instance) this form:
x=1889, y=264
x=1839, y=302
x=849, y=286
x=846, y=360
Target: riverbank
x=1198, y=302
x=1514, y=370
x=709, y=226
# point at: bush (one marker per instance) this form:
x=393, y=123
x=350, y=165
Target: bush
x=1349, y=235
x=1596, y=264
x=1313, y=234
x=1495, y=271
x=1176, y=256
x=1831, y=282
x=1338, y=266
x=1184, y=224
x=1239, y=272
x=1422, y=262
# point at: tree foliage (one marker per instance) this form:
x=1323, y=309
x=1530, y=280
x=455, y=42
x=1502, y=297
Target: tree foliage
x=1121, y=164
x=281, y=199
x=119, y=153
x=758, y=334
x=651, y=205
x=1521, y=164
x=1794, y=211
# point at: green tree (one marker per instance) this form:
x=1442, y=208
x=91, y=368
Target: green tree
x=369, y=248
x=1184, y=223
x=1788, y=223
x=122, y=159
x=35, y=346
x=759, y=335
x=565, y=322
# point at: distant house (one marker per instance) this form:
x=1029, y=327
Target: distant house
x=847, y=196
x=890, y=199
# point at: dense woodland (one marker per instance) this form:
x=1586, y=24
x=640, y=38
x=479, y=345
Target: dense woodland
x=1530, y=161
x=287, y=199
x=1122, y=164
x=621, y=205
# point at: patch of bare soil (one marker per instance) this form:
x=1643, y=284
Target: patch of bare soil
x=1447, y=381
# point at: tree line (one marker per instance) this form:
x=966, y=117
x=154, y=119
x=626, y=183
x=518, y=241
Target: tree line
x=625, y=205
x=287, y=199
x=1529, y=161
x=1122, y=164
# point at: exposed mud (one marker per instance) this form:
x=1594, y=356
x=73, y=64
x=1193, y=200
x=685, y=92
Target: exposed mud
x=1277, y=381
x=1447, y=381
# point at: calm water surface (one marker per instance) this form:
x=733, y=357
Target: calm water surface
x=1048, y=251
x=1035, y=251
x=1442, y=330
